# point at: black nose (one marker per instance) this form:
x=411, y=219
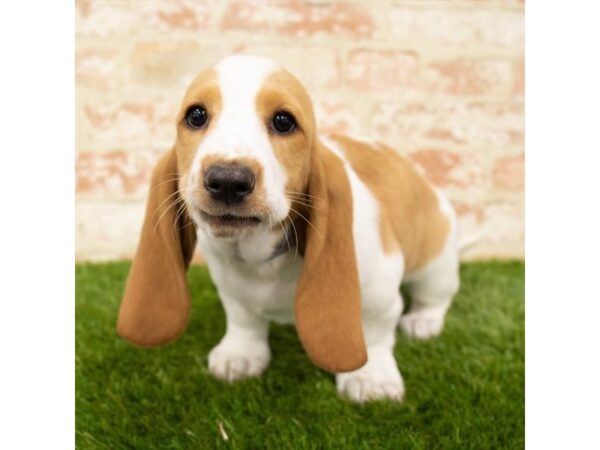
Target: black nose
x=229, y=184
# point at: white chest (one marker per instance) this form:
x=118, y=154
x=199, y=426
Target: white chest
x=265, y=288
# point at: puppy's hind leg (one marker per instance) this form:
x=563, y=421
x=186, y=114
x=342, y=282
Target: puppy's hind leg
x=431, y=290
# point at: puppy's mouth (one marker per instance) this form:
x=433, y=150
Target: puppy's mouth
x=230, y=220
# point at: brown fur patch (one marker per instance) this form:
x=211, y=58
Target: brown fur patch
x=283, y=92
x=156, y=303
x=411, y=219
x=155, y=306
x=203, y=91
x=328, y=304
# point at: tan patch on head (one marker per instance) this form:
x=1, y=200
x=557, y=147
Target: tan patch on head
x=411, y=218
x=203, y=91
x=281, y=91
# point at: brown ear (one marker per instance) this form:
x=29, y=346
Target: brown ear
x=156, y=304
x=328, y=306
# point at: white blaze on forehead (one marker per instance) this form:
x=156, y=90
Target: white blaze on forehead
x=238, y=131
x=241, y=76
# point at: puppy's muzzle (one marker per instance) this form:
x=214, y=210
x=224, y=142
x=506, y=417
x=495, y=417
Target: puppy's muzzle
x=229, y=184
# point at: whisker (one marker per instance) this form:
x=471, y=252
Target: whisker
x=308, y=205
x=191, y=222
x=180, y=212
x=302, y=194
x=164, y=212
x=302, y=197
x=270, y=220
x=296, y=235
x=287, y=241
x=170, y=180
x=167, y=199
x=304, y=201
x=282, y=228
x=178, y=199
x=307, y=221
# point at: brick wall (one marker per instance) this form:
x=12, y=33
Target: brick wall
x=440, y=80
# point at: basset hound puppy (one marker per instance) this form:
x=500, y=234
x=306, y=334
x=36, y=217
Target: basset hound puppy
x=296, y=227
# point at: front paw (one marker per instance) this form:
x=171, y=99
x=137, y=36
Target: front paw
x=379, y=379
x=232, y=361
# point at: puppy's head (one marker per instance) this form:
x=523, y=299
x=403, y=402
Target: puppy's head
x=245, y=131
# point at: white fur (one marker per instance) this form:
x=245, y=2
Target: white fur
x=255, y=290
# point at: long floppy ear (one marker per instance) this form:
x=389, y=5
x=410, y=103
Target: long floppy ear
x=328, y=306
x=156, y=303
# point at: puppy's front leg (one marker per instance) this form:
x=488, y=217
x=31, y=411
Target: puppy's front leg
x=244, y=350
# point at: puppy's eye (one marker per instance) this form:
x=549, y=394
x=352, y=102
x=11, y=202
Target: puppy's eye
x=283, y=122
x=196, y=116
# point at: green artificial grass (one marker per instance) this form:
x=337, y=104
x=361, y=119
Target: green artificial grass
x=464, y=389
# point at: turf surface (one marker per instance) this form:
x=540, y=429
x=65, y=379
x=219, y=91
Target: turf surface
x=464, y=389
